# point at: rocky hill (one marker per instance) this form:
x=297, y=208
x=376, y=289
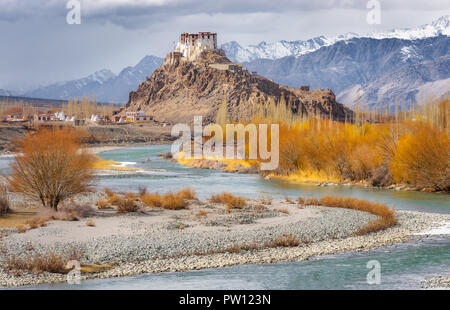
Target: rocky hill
x=177, y=91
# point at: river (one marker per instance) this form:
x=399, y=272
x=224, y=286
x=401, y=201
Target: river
x=403, y=266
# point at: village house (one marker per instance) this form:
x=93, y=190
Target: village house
x=16, y=118
x=135, y=117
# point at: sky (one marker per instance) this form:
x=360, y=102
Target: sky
x=39, y=47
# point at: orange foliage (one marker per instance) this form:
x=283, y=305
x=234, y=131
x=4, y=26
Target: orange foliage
x=52, y=167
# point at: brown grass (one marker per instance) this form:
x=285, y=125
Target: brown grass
x=283, y=210
x=386, y=215
x=127, y=205
x=103, y=204
x=308, y=201
x=170, y=201
x=287, y=240
x=188, y=194
x=201, y=213
x=230, y=201
x=289, y=200
x=114, y=199
x=37, y=263
x=108, y=192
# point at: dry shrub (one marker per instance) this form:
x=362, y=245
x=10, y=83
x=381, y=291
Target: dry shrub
x=48, y=262
x=188, y=194
x=131, y=196
x=259, y=208
x=201, y=213
x=52, y=167
x=127, y=205
x=308, y=201
x=287, y=240
x=108, y=192
x=171, y=201
x=114, y=199
x=283, y=210
x=230, y=201
x=90, y=223
x=152, y=200
x=103, y=205
x=387, y=217
x=67, y=212
x=266, y=200
x=288, y=200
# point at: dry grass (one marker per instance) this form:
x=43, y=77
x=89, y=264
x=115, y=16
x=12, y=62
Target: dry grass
x=289, y=200
x=188, y=194
x=287, y=240
x=90, y=223
x=308, y=201
x=283, y=210
x=201, y=213
x=386, y=215
x=170, y=201
x=127, y=205
x=108, y=192
x=103, y=204
x=67, y=212
x=48, y=262
x=229, y=200
x=114, y=199
x=266, y=200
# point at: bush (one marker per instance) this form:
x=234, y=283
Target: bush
x=127, y=205
x=231, y=201
x=103, y=204
x=287, y=240
x=170, y=201
x=47, y=262
x=387, y=217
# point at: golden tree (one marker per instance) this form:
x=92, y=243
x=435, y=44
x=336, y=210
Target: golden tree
x=52, y=167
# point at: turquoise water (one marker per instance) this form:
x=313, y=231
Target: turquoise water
x=162, y=175
x=402, y=266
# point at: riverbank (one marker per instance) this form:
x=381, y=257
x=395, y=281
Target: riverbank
x=207, y=235
x=252, y=167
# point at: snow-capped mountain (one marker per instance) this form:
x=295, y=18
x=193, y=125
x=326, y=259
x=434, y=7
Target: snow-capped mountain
x=280, y=49
x=71, y=89
x=107, y=86
x=366, y=65
x=4, y=92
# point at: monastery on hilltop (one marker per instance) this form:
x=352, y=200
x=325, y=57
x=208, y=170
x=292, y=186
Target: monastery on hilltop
x=191, y=45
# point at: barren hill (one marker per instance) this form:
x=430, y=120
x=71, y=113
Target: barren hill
x=180, y=89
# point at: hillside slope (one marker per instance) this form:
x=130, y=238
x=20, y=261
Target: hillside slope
x=177, y=92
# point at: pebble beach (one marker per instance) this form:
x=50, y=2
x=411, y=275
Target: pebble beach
x=156, y=240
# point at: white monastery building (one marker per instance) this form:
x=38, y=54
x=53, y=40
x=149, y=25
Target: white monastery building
x=190, y=45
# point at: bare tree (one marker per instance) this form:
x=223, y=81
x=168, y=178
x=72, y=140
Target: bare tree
x=52, y=167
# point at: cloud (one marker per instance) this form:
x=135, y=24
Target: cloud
x=141, y=13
